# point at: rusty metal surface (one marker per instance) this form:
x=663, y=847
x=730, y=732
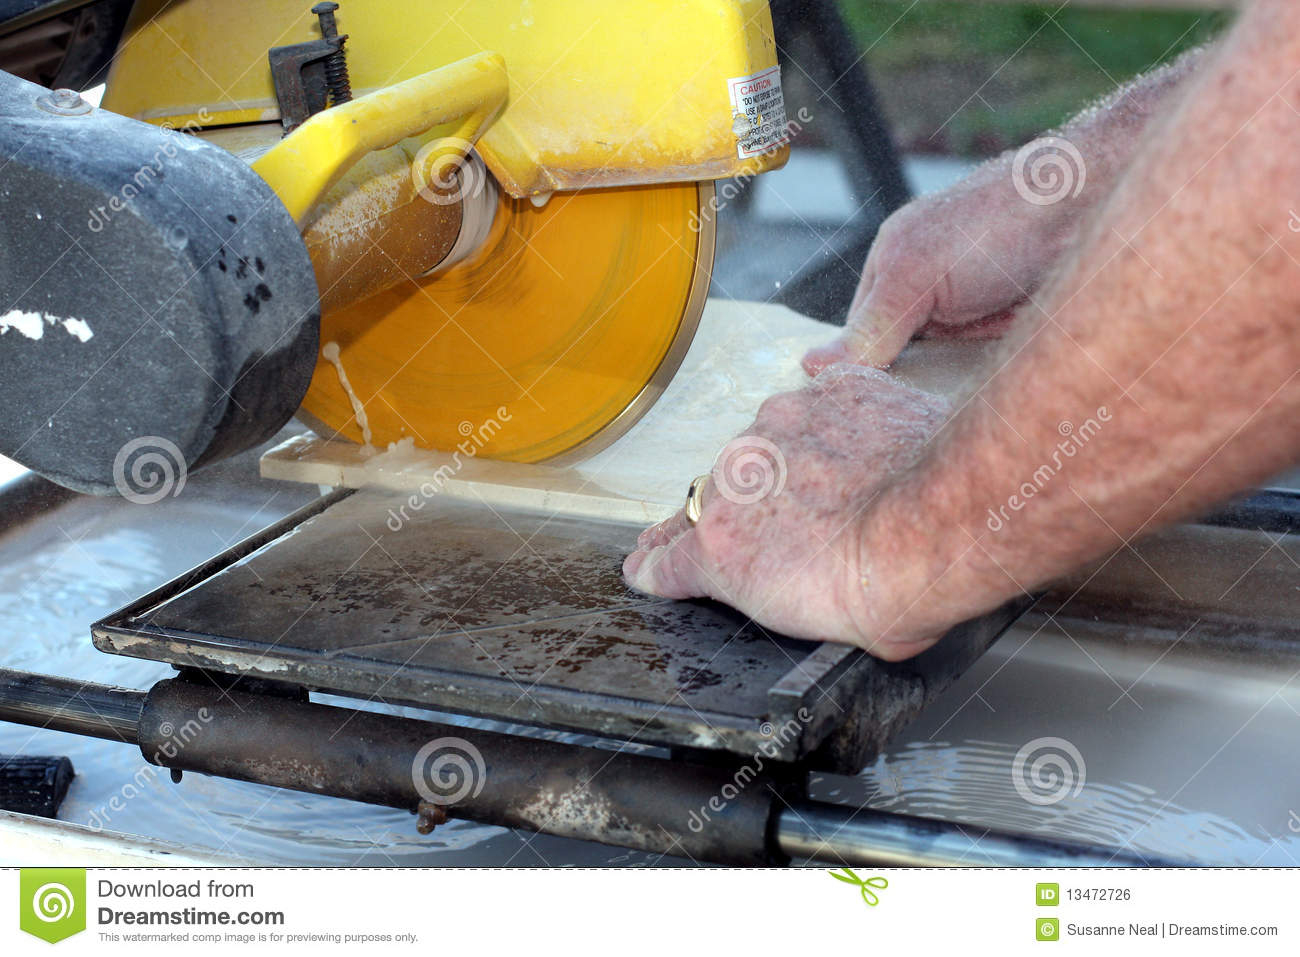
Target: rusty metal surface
x=519, y=617
x=505, y=779
x=376, y=229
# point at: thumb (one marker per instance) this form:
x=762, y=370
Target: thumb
x=872, y=337
x=676, y=570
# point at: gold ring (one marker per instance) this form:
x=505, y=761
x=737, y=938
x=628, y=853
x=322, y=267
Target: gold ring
x=695, y=499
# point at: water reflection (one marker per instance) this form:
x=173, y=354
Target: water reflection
x=972, y=782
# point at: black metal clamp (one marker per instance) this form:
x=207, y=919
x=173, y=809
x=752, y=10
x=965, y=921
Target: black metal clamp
x=311, y=76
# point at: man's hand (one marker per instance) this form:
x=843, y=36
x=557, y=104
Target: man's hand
x=786, y=535
x=1175, y=321
x=959, y=261
x=954, y=263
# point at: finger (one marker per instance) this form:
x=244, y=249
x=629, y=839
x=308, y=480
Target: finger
x=865, y=285
x=874, y=340
x=676, y=570
x=880, y=325
x=664, y=532
x=887, y=648
x=841, y=348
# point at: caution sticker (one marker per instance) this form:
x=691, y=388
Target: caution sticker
x=758, y=112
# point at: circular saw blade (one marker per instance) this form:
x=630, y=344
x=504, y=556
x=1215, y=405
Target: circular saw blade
x=551, y=341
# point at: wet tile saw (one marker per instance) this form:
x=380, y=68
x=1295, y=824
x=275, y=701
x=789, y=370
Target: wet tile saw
x=396, y=220
x=495, y=202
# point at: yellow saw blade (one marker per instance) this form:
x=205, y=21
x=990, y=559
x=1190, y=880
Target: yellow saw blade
x=552, y=340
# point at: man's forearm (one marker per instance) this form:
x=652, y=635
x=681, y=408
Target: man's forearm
x=1022, y=209
x=1174, y=330
x=1107, y=135
x=1112, y=128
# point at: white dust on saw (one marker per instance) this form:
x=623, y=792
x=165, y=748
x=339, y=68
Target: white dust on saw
x=32, y=324
x=330, y=351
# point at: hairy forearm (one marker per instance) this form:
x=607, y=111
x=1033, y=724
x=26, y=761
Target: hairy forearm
x=1111, y=129
x=1174, y=329
x=960, y=259
x=1107, y=135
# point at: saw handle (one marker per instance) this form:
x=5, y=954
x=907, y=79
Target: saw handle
x=311, y=159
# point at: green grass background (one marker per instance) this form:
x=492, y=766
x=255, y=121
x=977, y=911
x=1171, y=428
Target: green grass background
x=1033, y=66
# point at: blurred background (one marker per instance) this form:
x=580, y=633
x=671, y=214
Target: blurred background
x=903, y=97
x=972, y=79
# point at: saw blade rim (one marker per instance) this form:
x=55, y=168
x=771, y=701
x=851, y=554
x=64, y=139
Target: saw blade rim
x=670, y=364
x=698, y=248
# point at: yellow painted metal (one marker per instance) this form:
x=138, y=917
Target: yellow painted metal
x=313, y=157
x=572, y=316
x=553, y=339
x=601, y=93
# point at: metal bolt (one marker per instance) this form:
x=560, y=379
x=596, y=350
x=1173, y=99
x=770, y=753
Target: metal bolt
x=325, y=12
x=336, y=64
x=64, y=103
x=429, y=817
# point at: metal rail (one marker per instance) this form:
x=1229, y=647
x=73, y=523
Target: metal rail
x=65, y=704
x=716, y=814
x=845, y=835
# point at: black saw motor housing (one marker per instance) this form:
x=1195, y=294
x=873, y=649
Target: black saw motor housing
x=156, y=297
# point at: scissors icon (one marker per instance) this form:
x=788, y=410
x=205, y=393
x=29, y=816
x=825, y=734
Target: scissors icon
x=865, y=886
